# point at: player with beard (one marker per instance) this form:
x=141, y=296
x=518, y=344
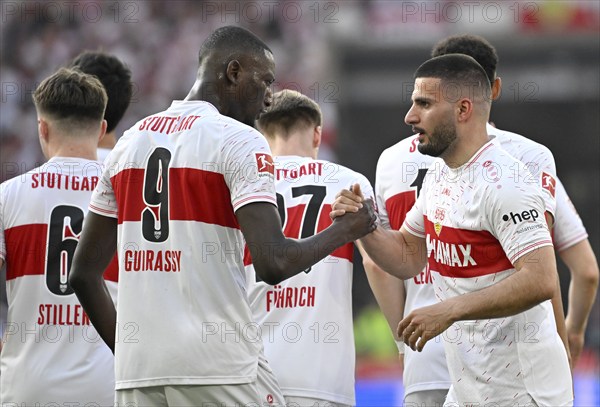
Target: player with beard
x=475, y=225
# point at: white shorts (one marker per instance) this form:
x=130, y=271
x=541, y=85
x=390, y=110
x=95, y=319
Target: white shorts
x=310, y=402
x=264, y=392
x=426, y=398
x=524, y=400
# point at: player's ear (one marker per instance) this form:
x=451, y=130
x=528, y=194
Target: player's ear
x=43, y=129
x=103, y=127
x=233, y=71
x=317, y=132
x=464, y=109
x=496, y=88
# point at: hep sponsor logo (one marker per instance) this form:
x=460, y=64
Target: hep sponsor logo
x=516, y=218
x=549, y=183
x=264, y=163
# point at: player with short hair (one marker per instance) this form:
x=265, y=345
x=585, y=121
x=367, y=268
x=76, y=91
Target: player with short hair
x=482, y=233
x=182, y=193
x=52, y=354
x=310, y=313
x=399, y=175
x=116, y=78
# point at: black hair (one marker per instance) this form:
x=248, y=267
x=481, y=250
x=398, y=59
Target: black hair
x=115, y=77
x=474, y=46
x=232, y=40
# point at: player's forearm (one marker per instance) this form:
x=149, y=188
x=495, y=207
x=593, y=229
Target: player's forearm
x=94, y=253
x=559, y=317
x=392, y=254
x=98, y=305
x=294, y=256
x=582, y=294
x=582, y=264
x=515, y=294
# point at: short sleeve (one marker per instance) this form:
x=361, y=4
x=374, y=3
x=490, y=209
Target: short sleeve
x=414, y=222
x=248, y=168
x=515, y=216
x=384, y=218
x=540, y=163
x=103, y=200
x=568, y=227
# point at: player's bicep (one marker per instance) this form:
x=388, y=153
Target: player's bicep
x=540, y=264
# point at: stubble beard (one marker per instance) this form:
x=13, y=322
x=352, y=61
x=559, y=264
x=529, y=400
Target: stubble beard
x=439, y=140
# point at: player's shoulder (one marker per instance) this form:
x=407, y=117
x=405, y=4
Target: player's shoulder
x=519, y=145
x=500, y=175
x=494, y=157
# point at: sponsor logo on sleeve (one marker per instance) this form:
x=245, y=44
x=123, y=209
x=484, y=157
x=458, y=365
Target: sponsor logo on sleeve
x=265, y=164
x=529, y=216
x=549, y=183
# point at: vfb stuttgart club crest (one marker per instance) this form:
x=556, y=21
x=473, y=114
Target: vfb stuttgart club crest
x=439, y=216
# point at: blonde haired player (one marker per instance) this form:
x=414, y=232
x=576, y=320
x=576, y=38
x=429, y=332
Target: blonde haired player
x=307, y=319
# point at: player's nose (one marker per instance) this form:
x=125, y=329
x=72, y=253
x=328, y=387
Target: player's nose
x=268, y=97
x=411, y=116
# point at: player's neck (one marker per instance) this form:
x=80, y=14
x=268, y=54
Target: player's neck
x=464, y=148
x=73, y=150
x=108, y=141
x=292, y=146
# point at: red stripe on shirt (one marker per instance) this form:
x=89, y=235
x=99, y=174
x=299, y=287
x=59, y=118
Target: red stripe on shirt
x=26, y=250
x=112, y=271
x=194, y=195
x=485, y=250
x=397, y=207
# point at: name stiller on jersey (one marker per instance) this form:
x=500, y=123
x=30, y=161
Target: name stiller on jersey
x=45, y=320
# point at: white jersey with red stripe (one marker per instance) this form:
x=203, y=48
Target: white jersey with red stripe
x=174, y=182
x=400, y=173
x=568, y=227
x=477, y=220
x=51, y=354
x=306, y=320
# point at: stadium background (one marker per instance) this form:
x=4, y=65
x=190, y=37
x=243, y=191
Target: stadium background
x=356, y=60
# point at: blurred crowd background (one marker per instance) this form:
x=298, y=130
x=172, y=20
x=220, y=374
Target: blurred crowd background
x=356, y=59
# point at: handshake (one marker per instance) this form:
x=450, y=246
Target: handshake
x=354, y=213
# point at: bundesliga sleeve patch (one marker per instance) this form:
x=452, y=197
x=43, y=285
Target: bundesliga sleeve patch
x=549, y=183
x=265, y=163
